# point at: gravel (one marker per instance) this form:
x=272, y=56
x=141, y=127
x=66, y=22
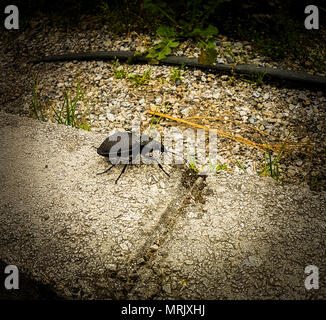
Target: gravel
x=114, y=103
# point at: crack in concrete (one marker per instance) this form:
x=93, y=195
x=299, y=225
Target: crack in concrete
x=141, y=263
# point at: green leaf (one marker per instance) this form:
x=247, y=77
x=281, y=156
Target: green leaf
x=162, y=49
x=166, y=32
x=173, y=44
x=164, y=53
x=84, y=126
x=210, y=31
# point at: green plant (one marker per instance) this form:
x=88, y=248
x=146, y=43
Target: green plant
x=220, y=167
x=140, y=80
x=192, y=159
x=39, y=110
x=206, y=43
x=258, y=80
x=67, y=114
x=216, y=168
x=192, y=165
x=120, y=72
x=205, y=37
x=179, y=28
x=159, y=119
x=271, y=166
x=162, y=49
x=207, y=56
x=84, y=126
x=240, y=166
x=176, y=74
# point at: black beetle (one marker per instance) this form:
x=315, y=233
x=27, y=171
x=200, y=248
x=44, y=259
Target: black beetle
x=120, y=146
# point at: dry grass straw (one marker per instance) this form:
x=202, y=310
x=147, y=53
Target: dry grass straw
x=284, y=144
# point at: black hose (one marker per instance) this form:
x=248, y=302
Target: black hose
x=291, y=77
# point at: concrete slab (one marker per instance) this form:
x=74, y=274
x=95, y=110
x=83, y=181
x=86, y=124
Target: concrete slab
x=228, y=236
x=63, y=224
x=244, y=237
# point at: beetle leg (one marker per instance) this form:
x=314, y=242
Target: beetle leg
x=105, y=170
x=123, y=170
x=162, y=168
